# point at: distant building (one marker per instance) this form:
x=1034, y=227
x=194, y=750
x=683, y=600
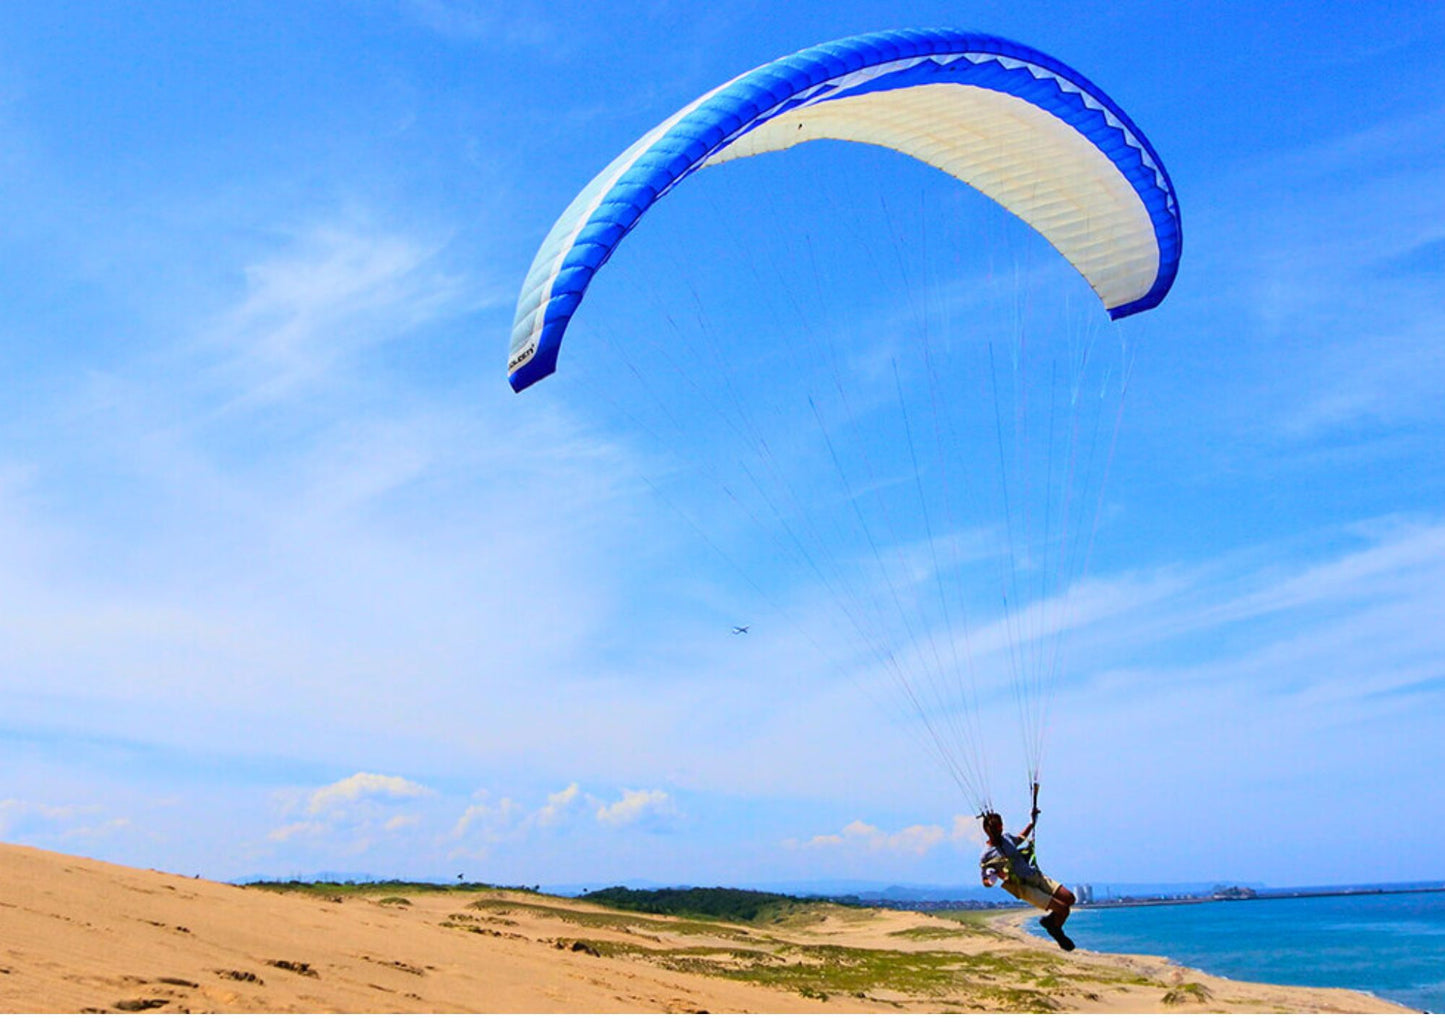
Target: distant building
x=1234, y=893
x=1084, y=893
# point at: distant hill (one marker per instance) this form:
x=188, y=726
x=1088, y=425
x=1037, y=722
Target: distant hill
x=725, y=903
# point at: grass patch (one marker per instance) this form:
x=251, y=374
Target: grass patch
x=976, y=920
x=830, y=970
x=931, y=932
x=1187, y=993
x=630, y=922
x=372, y=888
x=834, y=970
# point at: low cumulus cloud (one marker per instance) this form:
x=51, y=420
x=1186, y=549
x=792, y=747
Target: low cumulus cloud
x=636, y=806
x=558, y=805
x=360, y=787
x=358, y=806
x=371, y=812
x=492, y=820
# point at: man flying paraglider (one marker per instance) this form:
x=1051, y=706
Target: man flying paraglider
x=1046, y=145
x=1010, y=858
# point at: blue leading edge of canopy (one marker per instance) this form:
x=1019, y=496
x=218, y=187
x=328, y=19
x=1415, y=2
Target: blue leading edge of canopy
x=775, y=88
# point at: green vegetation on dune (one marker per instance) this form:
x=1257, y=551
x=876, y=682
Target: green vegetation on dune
x=977, y=920
x=826, y=971
x=755, y=937
x=630, y=922
x=772, y=940
x=372, y=888
x=724, y=903
x=931, y=932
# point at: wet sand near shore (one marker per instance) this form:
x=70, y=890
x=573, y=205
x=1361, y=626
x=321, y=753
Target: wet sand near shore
x=78, y=935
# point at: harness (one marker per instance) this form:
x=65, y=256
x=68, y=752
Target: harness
x=999, y=864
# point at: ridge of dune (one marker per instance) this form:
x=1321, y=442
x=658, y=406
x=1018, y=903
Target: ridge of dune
x=78, y=935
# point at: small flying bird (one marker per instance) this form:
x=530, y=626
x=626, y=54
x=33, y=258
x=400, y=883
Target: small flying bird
x=741, y=629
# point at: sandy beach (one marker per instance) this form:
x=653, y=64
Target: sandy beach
x=78, y=935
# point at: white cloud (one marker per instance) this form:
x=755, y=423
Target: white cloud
x=362, y=786
x=966, y=831
x=44, y=821
x=634, y=806
x=496, y=820
x=492, y=821
x=337, y=291
x=355, y=808
x=557, y=805
x=295, y=830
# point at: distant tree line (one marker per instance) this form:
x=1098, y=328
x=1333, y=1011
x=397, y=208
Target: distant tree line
x=372, y=886
x=724, y=903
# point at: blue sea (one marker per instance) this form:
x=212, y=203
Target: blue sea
x=1391, y=945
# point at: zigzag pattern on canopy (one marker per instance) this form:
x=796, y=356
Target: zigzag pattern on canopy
x=1021, y=127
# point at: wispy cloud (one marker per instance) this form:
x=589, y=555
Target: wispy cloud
x=916, y=840
x=44, y=823
x=334, y=292
x=309, y=829
x=1352, y=341
x=513, y=25
x=252, y=464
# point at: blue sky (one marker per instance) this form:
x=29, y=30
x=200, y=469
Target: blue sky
x=290, y=581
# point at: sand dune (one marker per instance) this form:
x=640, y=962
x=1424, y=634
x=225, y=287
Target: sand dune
x=78, y=935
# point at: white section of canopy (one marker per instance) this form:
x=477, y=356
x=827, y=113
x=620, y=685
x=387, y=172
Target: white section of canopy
x=1026, y=159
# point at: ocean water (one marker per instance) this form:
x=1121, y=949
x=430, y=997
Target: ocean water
x=1391, y=945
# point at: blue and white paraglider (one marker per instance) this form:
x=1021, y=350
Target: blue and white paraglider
x=1026, y=130
x=1053, y=150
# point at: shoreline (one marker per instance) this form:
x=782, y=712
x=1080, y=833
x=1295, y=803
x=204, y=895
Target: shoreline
x=82, y=935
x=1019, y=920
x=1265, y=896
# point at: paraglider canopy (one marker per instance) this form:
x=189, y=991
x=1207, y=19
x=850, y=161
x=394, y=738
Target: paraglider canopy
x=1021, y=127
x=869, y=484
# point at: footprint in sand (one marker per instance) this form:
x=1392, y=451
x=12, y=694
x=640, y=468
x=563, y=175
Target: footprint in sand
x=141, y=1004
x=396, y=964
x=240, y=976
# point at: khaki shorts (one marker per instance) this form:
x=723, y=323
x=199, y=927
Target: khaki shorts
x=1038, y=891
